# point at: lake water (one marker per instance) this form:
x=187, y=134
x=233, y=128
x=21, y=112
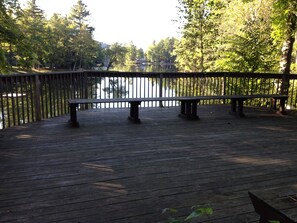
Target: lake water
x=145, y=68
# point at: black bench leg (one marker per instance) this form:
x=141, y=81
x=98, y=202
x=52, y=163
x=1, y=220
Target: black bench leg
x=233, y=106
x=182, y=108
x=189, y=110
x=73, y=115
x=134, y=112
x=240, y=108
x=194, y=110
x=282, y=106
x=237, y=107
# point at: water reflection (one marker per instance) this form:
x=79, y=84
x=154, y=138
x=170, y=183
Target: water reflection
x=146, y=68
x=127, y=87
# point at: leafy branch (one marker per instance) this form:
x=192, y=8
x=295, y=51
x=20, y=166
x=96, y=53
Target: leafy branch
x=197, y=211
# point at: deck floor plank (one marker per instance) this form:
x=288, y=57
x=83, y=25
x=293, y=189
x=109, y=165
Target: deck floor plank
x=110, y=170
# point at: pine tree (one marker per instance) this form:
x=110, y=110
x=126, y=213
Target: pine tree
x=32, y=51
x=84, y=47
x=79, y=15
x=10, y=33
x=196, y=51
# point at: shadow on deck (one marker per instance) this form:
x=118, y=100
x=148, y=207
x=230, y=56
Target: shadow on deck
x=110, y=170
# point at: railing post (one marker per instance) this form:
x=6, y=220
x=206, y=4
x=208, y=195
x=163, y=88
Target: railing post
x=161, y=90
x=224, y=87
x=85, y=86
x=285, y=84
x=37, y=94
x=3, y=113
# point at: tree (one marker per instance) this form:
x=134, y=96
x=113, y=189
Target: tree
x=32, y=52
x=248, y=46
x=115, y=54
x=9, y=32
x=59, y=33
x=200, y=19
x=285, y=27
x=162, y=51
x=79, y=15
x=131, y=54
x=83, y=44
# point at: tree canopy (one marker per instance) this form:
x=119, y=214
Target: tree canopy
x=244, y=35
x=215, y=35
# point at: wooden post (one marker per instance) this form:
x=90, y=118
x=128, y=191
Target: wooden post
x=73, y=115
x=37, y=94
x=285, y=84
x=85, y=86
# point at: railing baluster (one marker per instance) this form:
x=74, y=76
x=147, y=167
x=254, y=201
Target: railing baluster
x=23, y=101
x=37, y=98
x=2, y=91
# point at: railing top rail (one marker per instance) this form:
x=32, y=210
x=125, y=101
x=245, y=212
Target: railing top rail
x=158, y=74
x=44, y=73
x=188, y=74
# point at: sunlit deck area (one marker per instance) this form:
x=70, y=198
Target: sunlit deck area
x=111, y=170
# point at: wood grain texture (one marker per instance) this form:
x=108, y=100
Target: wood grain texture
x=110, y=170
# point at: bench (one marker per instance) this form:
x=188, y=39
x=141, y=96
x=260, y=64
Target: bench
x=267, y=212
x=188, y=105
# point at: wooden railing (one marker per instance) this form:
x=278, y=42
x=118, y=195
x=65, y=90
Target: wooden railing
x=32, y=97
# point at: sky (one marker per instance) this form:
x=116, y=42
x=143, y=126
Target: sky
x=124, y=21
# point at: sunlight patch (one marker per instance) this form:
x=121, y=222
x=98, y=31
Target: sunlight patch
x=111, y=188
x=24, y=136
x=260, y=161
x=101, y=168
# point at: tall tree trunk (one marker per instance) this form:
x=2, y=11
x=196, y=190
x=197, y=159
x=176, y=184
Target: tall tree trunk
x=10, y=55
x=287, y=49
x=286, y=59
x=109, y=65
x=201, y=47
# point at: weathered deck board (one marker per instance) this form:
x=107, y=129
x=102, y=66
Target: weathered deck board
x=110, y=170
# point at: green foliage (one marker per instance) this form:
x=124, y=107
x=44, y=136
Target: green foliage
x=82, y=44
x=245, y=36
x=283, y=9
x=197, y=48
x=115, y=54
x=59, y=33
x=3, y=63
x=249, y=48
x=32, y=24
x=162, y=51
x=197, y=211
x=216, y=35
x=284, y=30
x=133, y=54
x=79, y=15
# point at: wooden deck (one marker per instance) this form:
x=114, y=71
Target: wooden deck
x=110, y=170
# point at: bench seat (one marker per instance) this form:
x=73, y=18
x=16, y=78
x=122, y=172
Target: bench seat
x=269, y=213
x=188, y=105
